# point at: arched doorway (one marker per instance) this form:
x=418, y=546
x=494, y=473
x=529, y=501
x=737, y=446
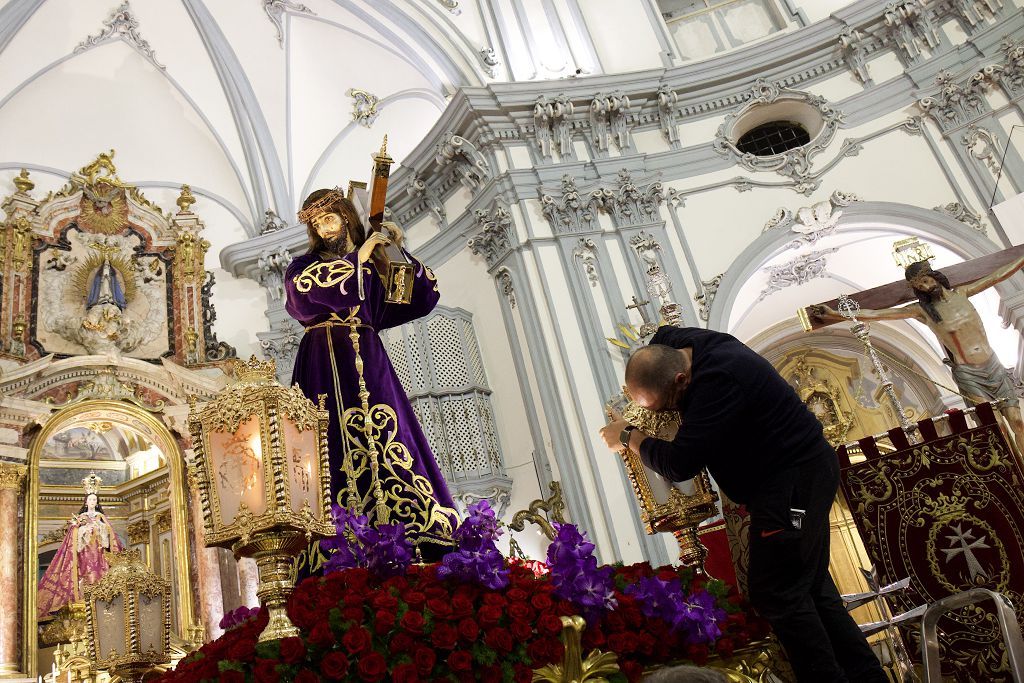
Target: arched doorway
x=142, y=492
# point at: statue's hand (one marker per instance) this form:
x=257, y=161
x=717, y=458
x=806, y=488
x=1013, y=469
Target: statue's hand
x=397, y=234
x=374, y=240
x=823, y=312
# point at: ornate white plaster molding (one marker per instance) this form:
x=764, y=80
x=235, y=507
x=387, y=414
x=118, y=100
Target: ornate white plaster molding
x=364, y=106
x=121, y=25
x=276, y=9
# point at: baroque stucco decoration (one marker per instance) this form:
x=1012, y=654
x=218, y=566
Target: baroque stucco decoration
x=795, y=164
x=810, y=223
x=552, y=125
x=467, y=163
x=364, y=106
x=797, y=271
x=122, y=25
x=276, y=9
x=495, y=236
x=628, y=202
x=963, y=214
x=909, y=26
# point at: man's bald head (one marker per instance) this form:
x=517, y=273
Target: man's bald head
x=657, y=371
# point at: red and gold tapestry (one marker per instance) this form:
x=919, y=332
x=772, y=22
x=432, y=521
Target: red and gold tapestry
x=949, y=514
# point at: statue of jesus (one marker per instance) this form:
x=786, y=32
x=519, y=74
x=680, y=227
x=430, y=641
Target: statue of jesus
x=953, y=319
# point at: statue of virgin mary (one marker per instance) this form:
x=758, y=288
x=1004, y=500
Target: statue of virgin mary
x=79, y=561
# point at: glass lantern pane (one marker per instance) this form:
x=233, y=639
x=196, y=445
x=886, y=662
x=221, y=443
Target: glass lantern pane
x=303, y=466
x=238, y=475
x=110, y=636
x=151, y=623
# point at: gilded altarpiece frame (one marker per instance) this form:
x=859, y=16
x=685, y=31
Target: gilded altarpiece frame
x=142, y=421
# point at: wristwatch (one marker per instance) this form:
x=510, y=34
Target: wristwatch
x=625, y=434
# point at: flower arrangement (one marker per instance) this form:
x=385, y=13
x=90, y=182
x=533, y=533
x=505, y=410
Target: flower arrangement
x=476, y=616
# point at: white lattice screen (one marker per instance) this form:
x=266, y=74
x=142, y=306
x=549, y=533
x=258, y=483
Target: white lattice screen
x=438, y=362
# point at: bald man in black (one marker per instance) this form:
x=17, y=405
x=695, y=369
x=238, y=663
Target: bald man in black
x=742, y=422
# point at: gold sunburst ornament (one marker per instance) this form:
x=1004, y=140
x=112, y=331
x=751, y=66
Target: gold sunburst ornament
x=83, y=275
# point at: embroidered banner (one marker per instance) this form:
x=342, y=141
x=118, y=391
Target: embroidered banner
x=949, y=514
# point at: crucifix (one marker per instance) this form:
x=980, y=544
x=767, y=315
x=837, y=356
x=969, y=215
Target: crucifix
x=942, y=305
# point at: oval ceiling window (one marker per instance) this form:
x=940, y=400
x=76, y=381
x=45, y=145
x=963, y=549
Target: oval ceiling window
x=774, y=137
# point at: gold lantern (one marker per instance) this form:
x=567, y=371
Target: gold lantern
x=664, y=507
x=263, y=479
x=128, y=618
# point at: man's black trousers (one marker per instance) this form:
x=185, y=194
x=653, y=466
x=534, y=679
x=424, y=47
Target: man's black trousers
x=789, y=581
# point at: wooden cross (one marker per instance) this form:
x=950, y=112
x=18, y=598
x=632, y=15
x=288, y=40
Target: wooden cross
x=895, y=293
x=639, y=306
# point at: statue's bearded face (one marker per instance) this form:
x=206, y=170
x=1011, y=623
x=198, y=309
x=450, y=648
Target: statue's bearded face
x=926, y=283
x=333, y=230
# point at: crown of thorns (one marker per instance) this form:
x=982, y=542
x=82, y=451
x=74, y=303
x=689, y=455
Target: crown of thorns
x=320, y=206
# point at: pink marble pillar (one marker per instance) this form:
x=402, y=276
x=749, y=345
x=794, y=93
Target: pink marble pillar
x=11, y=477
x=248, y=580
x=211, y=594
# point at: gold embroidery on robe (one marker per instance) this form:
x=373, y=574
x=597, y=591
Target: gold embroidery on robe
x=324, y=274
x=410, y=498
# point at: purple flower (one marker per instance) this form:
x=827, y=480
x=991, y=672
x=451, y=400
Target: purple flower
x=237, y=617
x=383, y=550
x=576, y=576
x=476, y=557
x=694, y=614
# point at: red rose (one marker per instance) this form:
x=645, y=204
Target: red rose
x=523, y=674
x=384, y=622
x=499, y=639
x=424, y=658
x=633, y=670
x=469, y=630
x=444, y=636
x=517, y=595
x=496, y=599
x=292, y=650
x=490, y=615
x=440, y=607
x=413, y=622
x=306, y=676
x=461, y=606
x=460, y=660
x=232, y=676
x=725, y=646
x=698, y=654
x=521, y=630
x=321, y=636
x=334, y=665
x=405, y=673
x=242, y=650
x=265, y=671
x=382, y=600
x=414, y=598
x=401, y=642
x=372, y=667
x=540, y=601
x=549, y=625
x=353, y=598
x=356, y=640
x=520, y=611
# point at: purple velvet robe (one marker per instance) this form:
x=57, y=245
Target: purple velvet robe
x=325, y=292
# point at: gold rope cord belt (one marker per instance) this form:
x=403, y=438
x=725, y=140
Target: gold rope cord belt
x=338, y=323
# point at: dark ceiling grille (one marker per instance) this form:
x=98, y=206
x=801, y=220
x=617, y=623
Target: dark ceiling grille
x=775, y=137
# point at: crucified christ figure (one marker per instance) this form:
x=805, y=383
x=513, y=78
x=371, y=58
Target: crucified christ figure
x=953, y=319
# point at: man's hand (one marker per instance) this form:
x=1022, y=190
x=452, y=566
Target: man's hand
x=611, y=431
x=825, y=313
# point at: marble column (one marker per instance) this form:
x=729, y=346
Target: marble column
x=211, y=593
x=248, y=580
x=11, y=477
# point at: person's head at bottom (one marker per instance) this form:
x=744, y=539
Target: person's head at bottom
x=657, y=375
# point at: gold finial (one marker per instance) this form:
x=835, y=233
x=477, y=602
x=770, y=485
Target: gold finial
x=185, y=200
x=23, y=183
x=383, y=155
x=911, y=250
x=104, y=164
x=92, y=483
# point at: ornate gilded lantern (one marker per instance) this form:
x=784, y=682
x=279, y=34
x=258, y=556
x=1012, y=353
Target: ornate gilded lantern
x=128, y=618
x=263, y=479
x=664, y=506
